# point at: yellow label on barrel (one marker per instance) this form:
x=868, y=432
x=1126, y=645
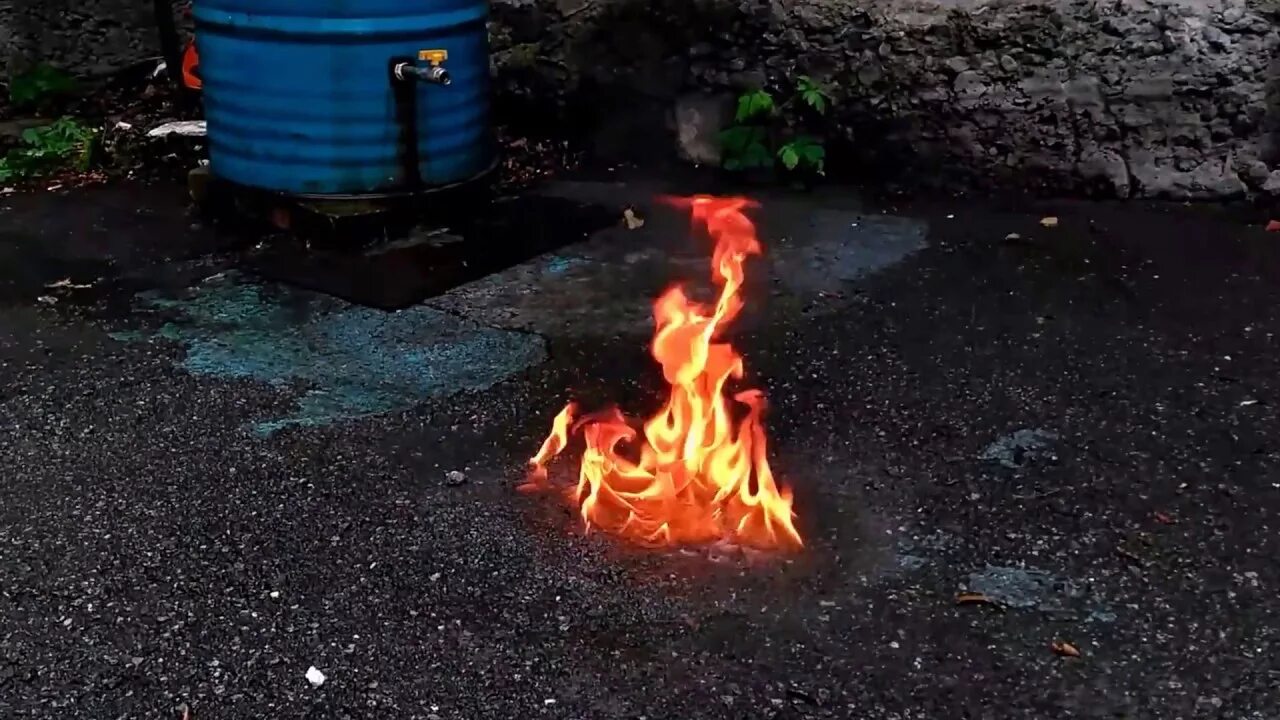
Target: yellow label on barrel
x=435, y=57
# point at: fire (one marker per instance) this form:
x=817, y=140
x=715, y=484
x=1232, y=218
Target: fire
x=697, y=471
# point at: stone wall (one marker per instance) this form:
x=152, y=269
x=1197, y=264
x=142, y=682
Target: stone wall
x=1130, y=97
x=1176, y=98
x=89, y=37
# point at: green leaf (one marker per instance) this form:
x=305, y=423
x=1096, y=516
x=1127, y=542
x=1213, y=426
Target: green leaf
x=743, y=147
x=40, y=83
x=789, y=157
x=810, y=148
x=757, y=156
x=815, y=100
x=64, y=142
x=84, y=160
x=753, y=104
x=813, y=94
x=806, y=151
x=735, y=140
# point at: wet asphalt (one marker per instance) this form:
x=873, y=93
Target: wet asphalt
x=1037, y=469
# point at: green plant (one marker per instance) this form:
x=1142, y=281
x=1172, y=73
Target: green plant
x=62, y=143
x=766, y=133
x=41, y=83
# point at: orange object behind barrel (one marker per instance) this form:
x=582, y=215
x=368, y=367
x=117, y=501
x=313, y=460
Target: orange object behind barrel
x=191, y=67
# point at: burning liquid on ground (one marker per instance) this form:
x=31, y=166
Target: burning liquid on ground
x=697, y=471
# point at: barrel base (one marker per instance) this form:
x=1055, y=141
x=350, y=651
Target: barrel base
x=338, y=219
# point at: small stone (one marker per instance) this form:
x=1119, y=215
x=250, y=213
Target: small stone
x=699, y=118
x=455, y=477
x=1252, y=170
x=315, y=677
x=1272, y=185
x=187, y=128
x=1105, y=166
x=870, y=74
x=970, y=84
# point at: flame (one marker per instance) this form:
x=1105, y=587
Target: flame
x=698, y=474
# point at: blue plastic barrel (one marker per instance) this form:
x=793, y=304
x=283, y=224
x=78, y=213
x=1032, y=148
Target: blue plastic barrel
x=300, y=96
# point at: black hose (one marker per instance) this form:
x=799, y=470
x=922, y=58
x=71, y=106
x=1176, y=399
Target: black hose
x=404, y=93
x=170, y=43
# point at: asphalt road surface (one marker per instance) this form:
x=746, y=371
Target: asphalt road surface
x=213, y=482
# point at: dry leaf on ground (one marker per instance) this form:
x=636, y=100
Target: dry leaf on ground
x=1065, y=649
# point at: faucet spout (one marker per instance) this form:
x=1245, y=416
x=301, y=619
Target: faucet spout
x=435, y=74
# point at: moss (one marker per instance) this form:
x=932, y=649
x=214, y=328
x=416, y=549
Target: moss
x=521, y=56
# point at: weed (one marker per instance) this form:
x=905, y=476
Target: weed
x=766, y=133
x=38, y=85
x=66, y=142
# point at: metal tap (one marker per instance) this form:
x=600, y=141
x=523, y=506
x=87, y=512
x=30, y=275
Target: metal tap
x=435, y=74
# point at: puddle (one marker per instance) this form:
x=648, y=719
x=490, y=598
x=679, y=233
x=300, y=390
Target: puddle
x=1017, y=587
x=1101, y=615
x=910, y=563
x=1025, y=588
x=559, y=264
x=1021, y=448
x=915, y=553
x=348, y=361
x=430, y=262
x=846, y=246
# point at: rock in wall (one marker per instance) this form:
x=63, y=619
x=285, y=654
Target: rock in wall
x=87, y=37
x=1173, y=98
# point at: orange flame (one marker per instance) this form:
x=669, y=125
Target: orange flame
x=700, y=475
